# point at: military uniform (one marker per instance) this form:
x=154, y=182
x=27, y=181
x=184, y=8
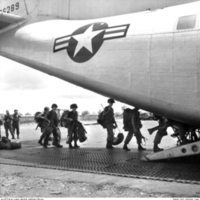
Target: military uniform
x=44, y=124
x=8, y=125
x=1, y=123
x=72, y=127
x=16, y=118
x=52, y=128
x=162, y=131
x=133, y=127
x=109, y=121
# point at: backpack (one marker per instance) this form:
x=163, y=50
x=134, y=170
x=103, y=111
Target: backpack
x=38, y=120
x=101, y=119
x=81, y=133
x=5, y=143
x=64, y=122
x=127, y=119
x=127, y=115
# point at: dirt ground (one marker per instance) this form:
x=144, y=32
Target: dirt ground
x=16, y=185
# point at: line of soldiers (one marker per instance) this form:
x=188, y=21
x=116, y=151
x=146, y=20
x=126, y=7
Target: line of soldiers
x=132, y=124
x=11, y=124
x=50, y=123
x=73, y=125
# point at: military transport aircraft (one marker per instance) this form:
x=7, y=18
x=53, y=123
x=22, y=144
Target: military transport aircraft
x=148, y=59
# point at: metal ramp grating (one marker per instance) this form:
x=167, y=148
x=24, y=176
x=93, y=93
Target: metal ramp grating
x=102, y=161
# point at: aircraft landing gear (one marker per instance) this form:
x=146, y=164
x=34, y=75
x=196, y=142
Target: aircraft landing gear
x=185, y=134
x=188, y=143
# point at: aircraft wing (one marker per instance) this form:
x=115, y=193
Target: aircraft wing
x=8, y=19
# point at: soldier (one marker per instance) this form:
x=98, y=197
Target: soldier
x=161, y=129
x=43, y=123
x=110, y=122
x=8, y=124
x=72, y=126
x=53, y=127
x=133, y=125
x=1, y=123
x=16, y=118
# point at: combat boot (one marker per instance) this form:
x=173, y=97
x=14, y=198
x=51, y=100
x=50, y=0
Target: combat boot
x=140, y=148
x=59, y=146
x=40, y=142
x=75, y=145
x=125, y=147
x=109, y=145
x=70, y=146
x=156, y=148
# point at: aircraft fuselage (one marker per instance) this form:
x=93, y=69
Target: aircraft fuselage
x=149, y=59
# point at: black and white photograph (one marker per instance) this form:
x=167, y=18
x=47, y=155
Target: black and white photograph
x=100, y=99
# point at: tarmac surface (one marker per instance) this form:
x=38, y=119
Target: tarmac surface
x=93, y=171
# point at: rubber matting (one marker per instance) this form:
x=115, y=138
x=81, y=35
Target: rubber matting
x=102, y=161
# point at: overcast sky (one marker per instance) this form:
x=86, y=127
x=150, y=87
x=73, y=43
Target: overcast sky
x=30, y=91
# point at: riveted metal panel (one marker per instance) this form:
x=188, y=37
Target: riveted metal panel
x=140, y=83
x=140, y=61
x=185, y=60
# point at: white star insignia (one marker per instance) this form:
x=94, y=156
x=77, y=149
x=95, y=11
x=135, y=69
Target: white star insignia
x=85, y=39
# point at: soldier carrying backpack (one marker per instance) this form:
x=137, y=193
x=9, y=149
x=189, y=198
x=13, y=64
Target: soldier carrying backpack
x=63, y=120
x=132, y=124
x=107, y=120
x=52, y=116
x=42, y=121
x=1, y=123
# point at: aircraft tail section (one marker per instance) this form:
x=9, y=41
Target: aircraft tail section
x=87, y=9
x=21, y=8
x=14, y=12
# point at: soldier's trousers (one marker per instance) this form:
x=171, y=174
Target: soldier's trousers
x=130, y=134
x=47, y=133
x=8, y=127
x=110, y=135
x=16, y=127
x=72, y=133
x=42, y=136
x=159, y=135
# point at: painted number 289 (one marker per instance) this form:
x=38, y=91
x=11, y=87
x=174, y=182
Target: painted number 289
x=11, y=8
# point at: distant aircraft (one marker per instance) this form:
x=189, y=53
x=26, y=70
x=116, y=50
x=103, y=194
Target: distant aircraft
x=149, y=59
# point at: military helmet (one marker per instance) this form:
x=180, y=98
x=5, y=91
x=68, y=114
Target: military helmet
x=111, y=101
x=54, y=105
x=73, y=106
x=46, y=108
